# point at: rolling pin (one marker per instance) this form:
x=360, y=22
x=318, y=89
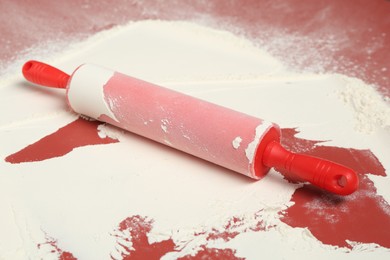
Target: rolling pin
x=231, y=139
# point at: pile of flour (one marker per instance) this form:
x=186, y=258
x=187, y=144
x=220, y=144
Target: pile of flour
x=183, y=195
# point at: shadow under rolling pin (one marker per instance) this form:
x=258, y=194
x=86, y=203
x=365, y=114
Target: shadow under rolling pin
x=234, y=140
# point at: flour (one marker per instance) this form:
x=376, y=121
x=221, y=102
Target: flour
x=252, y=146
x=236, y=142
x=105, y=130
x=371, y=110
x=80, y=198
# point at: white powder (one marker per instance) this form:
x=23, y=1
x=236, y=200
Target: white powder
x=80, y=204
x=236, y=142
x=371, y=110
x=260, y=131
x=113, y=132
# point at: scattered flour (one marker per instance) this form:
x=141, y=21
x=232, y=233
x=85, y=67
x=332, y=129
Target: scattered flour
x=372, y=111
x=183, y=196
x=113, y=132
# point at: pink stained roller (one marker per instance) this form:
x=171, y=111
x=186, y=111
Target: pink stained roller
x=239, y=142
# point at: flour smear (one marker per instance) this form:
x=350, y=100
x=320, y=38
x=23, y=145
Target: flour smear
x=80, y=198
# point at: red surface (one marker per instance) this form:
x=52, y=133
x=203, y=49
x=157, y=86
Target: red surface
x=361, y=217
x=76, y=134
x=212, y=253
x=330, y=218
x=63, y=255
x=138, y=228
x=350, y=36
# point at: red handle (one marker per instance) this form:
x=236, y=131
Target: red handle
x=324, y=174
x=45, y=75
